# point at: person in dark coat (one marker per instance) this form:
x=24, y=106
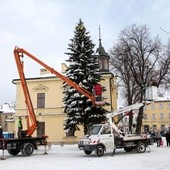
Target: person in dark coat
x=167, y=136
x=1, y=132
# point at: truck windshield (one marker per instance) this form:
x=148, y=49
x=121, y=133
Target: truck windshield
x=94, y=130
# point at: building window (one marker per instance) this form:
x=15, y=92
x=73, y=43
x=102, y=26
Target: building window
x=103, y=63
x=152, y=107
x=40, y=100
x=161, y=116
x=100, y=64
x=169, y=115
x=69, y=133
x=106, y=64
x=162, y=127
x=168, y=106
x=160, y=106
x=146, y=129
x=154, y=127
x=145, y=117
x=153, y=117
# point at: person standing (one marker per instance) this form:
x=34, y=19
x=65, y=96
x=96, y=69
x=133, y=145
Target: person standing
x=158, y=136
x=167, y=137
x=1, y=132
x=20, y=127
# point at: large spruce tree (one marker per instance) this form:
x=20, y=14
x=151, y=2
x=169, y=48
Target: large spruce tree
x=83, y=69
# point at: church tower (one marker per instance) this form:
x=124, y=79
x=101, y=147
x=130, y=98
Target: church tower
x=103, y=57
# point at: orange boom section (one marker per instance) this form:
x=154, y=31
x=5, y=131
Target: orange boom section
x=31, y=119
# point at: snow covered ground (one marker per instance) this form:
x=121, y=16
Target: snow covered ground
x=69, y=157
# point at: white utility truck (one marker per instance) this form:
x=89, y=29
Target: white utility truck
x=102, y=137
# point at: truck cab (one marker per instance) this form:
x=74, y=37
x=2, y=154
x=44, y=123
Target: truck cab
x=99, y=138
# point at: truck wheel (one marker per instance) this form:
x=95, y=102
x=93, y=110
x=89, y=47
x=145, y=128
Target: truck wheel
x=27, y=149
x=128, y=149
x=13, y=152
x=141, y=147
x=87, y=152
x=99, y=150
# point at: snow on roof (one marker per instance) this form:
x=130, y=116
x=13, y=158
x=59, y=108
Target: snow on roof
x=6, y=108
x=163, y=99
x=50, y=75
x=47, y=75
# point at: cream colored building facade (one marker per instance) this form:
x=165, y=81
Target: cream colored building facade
x=51, y=117
x=157, y=116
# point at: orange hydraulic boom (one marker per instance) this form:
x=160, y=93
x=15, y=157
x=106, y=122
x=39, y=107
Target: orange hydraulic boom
x=19, y=53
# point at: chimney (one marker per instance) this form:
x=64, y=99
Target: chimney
x=44, y=71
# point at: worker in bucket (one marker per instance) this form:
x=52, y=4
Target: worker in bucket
x=98, y=92
x=20, y=127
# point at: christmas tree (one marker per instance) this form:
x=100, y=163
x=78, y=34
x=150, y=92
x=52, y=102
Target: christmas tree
x=83, y=69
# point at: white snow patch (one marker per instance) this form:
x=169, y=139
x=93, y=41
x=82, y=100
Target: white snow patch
x=69, y=157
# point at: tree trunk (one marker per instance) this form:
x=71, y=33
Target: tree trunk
x=130, y=120
x=139, y=121
x=85, y=128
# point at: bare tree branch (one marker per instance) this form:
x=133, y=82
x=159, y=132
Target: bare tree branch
x=139, y=61
x=164, y=30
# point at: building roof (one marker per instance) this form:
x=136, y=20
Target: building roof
x=162, y=99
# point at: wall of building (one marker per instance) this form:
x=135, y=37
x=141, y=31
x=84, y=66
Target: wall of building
x=53, y=114
x=157, y=116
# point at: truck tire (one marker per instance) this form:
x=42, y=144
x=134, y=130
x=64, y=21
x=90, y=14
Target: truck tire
x=27, y=149
x=128, y=149
x=87, y=152
x=141, y=147
x=100, y=150
x=14, y=151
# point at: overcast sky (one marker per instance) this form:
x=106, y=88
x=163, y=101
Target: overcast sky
x=44, y=28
